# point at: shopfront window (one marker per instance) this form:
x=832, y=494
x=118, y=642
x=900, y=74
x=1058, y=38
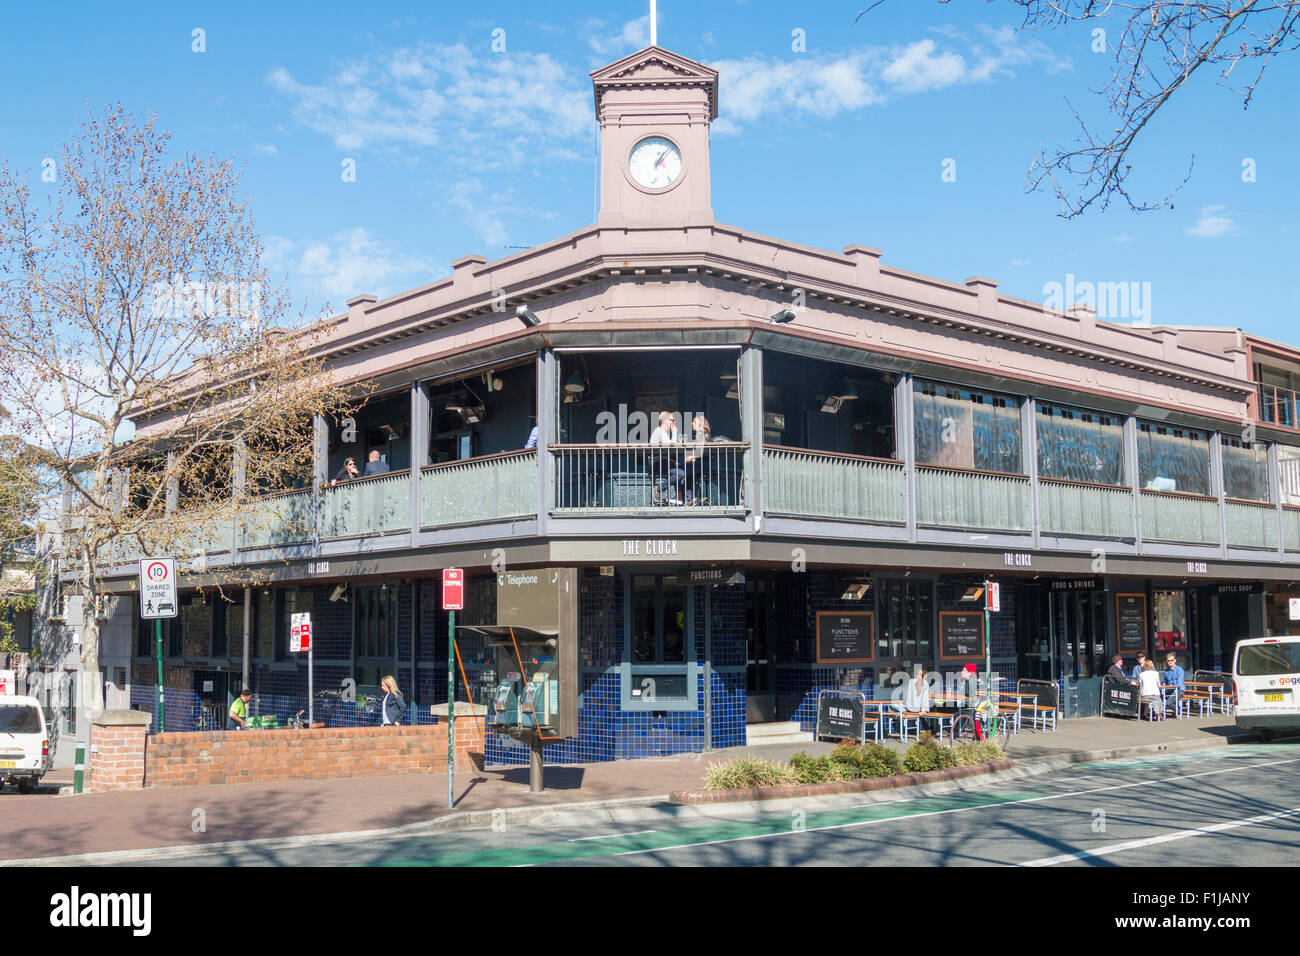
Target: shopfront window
x=375, y=632
x=967, y=428
x=1075, y=444
x=905, y=612
x=659, y=673
x=1170, y=609
x=1173, y=458
x=1245, y=470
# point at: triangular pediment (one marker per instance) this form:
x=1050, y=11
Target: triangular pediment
x=655, y=66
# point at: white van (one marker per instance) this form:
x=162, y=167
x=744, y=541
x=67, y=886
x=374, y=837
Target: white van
x=1267, y=674
x=24, y=744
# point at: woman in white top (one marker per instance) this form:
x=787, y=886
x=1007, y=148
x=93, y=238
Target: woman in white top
x=1149, y=681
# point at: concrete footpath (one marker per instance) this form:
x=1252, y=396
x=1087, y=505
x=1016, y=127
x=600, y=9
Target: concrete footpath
x=55, y=824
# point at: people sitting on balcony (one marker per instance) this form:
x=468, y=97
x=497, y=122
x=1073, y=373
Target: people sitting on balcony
x=375, y=465
x=347, y=472
x=532, y=438
x=697, y=462
x=667, y=466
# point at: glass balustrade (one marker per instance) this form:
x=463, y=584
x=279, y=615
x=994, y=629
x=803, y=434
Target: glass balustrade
x=491, y=488
x=1080, y=510
x=979, y=501
x=1179, y=519
x=816, y=484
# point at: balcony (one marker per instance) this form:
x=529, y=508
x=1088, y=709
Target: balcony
x=479, y=490
x=812, y=484
x=1178, y=518
x=972, y=500
x=644, y=479
x=1278, y=406
x=1075, y=509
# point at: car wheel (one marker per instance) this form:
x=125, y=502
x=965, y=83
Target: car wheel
x=26, y=786
x=1264, y=735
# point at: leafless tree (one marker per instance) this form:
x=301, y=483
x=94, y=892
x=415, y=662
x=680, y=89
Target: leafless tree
x=132, y=293
x=1158, y=47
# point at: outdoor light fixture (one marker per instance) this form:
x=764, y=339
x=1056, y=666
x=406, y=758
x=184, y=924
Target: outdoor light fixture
x=972, y=595
x=527, y=316
x=847, y=392
x=784, y=316
x=832, y=405
x=574, y=385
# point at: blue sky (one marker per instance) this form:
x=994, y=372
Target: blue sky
x=461, y=149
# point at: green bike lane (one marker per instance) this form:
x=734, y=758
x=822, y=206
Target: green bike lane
x=1048, y=817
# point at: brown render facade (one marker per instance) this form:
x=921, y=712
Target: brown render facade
x=880, y=441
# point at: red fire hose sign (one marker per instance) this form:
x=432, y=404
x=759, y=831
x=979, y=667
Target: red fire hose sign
x=157, y=588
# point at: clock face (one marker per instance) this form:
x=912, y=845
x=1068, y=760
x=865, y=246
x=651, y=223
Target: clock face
x=655, y=163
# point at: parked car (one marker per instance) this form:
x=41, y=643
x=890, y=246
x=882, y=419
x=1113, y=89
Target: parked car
x=24, y=742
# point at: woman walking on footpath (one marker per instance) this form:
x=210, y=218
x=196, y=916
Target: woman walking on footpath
x=394, y=706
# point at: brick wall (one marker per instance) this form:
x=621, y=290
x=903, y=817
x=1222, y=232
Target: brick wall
x=116, y=757
x=265, y=756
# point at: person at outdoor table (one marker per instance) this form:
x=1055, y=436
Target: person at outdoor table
x=696, y=462
x=1149, y=684
x=375, y=465
x=237, y=719
x=667, y=434
x=967, y=683
x=1136, y=673
x=916, y=694
x=347, y=472
x=1116, y=671
x=1174, y=676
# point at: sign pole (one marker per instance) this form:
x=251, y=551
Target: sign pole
x=451, y=706
x=311, y=690
x=988, y=648
x=157, y=631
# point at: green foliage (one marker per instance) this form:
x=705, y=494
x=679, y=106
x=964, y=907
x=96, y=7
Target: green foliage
x=984, y=752
x=872, y=760
x=928, y=754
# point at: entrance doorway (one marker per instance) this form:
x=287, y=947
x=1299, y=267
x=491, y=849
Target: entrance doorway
x=760, y=668
x=1033, y=634
x=1080, y=619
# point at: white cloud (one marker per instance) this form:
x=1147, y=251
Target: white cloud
x=1123, y=238
x=826, y=86
x=630, y=37
x=348, y=263
x=1213, y=223
x=919, y=69
x=490, y=107
x=269, y=148
x=494, y=218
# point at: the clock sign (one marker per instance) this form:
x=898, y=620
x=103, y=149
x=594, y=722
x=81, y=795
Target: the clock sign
x=655, y=163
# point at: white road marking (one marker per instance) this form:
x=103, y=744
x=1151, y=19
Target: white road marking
x=1167, y=838
x=936, y=813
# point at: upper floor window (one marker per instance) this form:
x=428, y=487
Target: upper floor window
x=1173, y=458
x=1245, y=470
x=1076, y=444
x=967, y=428
x=1288, y=471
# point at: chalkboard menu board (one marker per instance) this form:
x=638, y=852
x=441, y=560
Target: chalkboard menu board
x=1119, y=697
x=961, y=635
x=840, y=718
x=1131, y=622
x=846, y=637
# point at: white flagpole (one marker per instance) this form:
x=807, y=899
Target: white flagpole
x=654, y=24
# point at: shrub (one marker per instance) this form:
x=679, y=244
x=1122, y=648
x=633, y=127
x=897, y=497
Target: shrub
x=873, y=760
x=744, y=773
x=983, y=752
x=926, y=754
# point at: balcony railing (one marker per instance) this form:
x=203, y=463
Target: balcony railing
x=974, y=500
x=816, y=484
x=491, y=488
x=1251, y=524
x=276, y=521
x=1291, y=529
x=1278, y=406
x=1179, y=518
x=1080, y=510
x=366, y=506
x=641, y=478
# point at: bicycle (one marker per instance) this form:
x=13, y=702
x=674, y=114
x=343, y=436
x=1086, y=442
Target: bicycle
x=982, y=722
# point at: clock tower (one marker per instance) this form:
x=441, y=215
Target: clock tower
x=654, y=109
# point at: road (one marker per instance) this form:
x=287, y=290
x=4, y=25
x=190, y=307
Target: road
x=1229, y=805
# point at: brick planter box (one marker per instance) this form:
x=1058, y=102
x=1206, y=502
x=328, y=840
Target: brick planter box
x=270, y=756
x=839, y=786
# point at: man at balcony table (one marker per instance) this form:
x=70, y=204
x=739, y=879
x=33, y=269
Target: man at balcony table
x=375, y=465
x=667, y=434
x=347, y=472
